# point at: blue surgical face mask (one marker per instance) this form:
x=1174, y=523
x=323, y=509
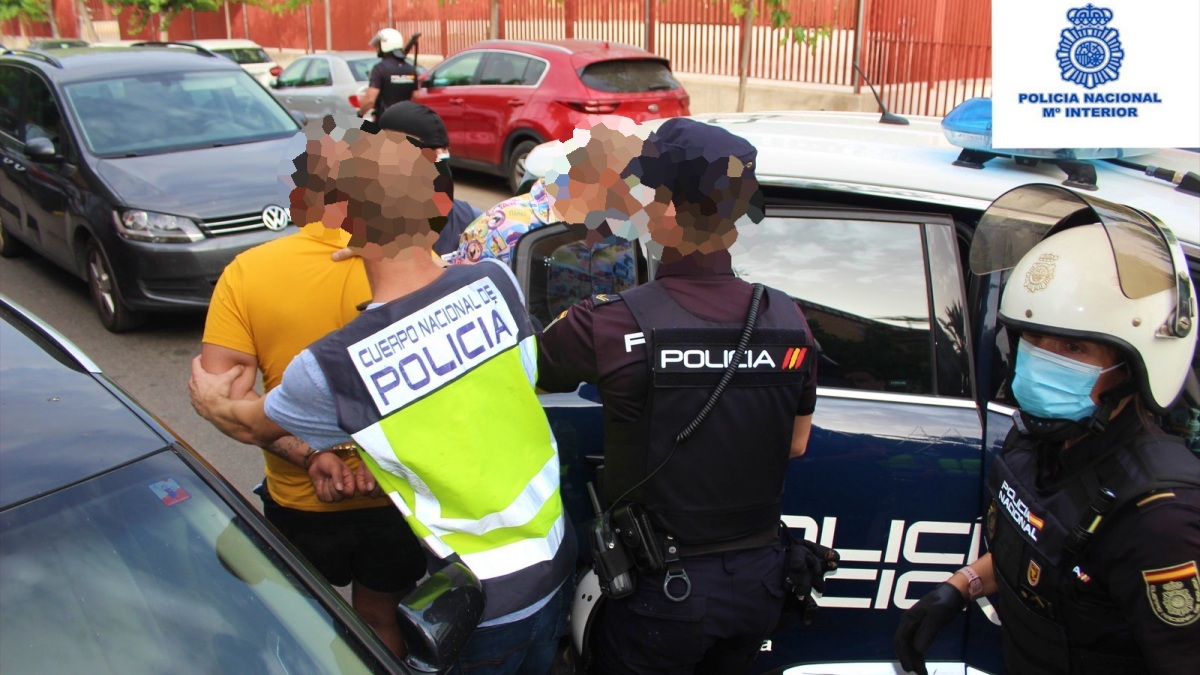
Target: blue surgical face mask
x=1052, y=386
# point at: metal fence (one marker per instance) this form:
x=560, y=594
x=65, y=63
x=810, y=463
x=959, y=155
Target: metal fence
x=924, y=56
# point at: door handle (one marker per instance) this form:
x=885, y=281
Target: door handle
x=456, y=101
x=515, y=102
x=317, y=100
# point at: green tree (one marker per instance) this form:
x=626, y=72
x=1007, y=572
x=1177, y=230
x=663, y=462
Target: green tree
x=781, y=17
x=26, y=12
x=165, y=10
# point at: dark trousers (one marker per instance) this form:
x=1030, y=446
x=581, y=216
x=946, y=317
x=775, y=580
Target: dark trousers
x=735, y=603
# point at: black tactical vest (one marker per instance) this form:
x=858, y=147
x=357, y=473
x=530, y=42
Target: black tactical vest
x=1036, y=540
x=726, y=481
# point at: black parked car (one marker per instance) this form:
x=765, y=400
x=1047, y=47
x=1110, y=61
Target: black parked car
x=122, y=551
x=143, y=170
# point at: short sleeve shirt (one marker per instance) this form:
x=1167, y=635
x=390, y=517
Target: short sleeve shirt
x=396, y=81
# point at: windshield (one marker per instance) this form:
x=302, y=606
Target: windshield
x=244, y=55
x=166, y=112
x=362, y=68
x=146, y=570
x=629, y=77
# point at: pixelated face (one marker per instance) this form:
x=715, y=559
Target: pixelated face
x=387, y=193
x=588, y=183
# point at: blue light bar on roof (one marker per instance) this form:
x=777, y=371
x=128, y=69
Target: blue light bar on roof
x=969, y=126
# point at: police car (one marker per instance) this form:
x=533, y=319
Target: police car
x=868, y=225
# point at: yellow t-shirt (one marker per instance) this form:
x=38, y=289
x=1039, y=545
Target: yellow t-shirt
x=274, y=300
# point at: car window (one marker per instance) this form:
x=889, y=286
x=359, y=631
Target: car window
x=12, y=82
x=242, y=55
x=293, y=74
x=318, y=74
x=565, y=270
x=42, y=119
x=457, y=71
x=533, y=73
x=504, y=68
x=175, y=111
x=862, y=285
x=629, y=76
x=361, y=68
x=146, y=570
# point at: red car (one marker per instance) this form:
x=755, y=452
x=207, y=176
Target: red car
x=501, y=98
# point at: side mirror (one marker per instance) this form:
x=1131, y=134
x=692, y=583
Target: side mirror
x=299, y=116
x=42, y=150
x=439, y=616
x=426, y=83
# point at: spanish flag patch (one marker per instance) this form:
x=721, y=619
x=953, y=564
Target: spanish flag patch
x=1174, y=593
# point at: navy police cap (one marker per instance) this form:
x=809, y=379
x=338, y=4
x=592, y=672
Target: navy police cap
x=691, y=159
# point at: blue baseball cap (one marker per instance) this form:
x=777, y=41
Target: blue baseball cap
x=693, y=161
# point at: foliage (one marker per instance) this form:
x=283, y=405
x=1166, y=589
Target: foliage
x=781, y=18
x=165, y=9
x=27, y=10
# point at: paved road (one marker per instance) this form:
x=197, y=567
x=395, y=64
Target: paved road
x=153, y=363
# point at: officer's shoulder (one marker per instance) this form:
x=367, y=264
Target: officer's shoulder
x=601, y=299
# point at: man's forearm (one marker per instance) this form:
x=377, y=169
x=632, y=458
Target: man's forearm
x=290, y=449
x=246, y=421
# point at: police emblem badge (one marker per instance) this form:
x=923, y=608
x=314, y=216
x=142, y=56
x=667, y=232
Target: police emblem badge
x=1089, y=52
x=990, y=521
x=1034, y=574
x=1174, y=593
x=1041, y=274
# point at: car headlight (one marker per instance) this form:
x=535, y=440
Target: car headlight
x=156, y=227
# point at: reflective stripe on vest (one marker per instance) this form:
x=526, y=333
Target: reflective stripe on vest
x=437, y=389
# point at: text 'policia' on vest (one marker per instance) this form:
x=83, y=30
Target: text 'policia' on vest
x=714, y=491
x=489, y=495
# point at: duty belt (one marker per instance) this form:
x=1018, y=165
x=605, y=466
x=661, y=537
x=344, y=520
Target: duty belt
x=756, y=540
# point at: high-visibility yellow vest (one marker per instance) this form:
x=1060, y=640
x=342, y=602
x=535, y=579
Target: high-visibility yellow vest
x=437, y=389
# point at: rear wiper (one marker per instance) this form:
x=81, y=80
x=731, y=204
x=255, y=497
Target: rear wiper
x=660, y=87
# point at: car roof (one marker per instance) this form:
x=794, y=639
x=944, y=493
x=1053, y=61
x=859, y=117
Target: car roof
x=60, y=422
x=349, y=55
x=584, y=51
x=89, y=63
x=854, y=152
x=224, y=44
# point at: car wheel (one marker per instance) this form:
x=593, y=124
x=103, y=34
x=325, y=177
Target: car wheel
x=115, y=316
x=10, y=246
x=516, y=163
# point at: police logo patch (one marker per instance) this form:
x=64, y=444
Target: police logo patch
x=991, y=521
x=1034, y=574
x=1041, y=274
x=1174, y=593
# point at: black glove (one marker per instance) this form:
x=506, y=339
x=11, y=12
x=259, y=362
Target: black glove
x=921, y=624
x=808, y=563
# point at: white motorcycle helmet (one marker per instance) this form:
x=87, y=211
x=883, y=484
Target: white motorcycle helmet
x=1090, y=269
x=388, y=40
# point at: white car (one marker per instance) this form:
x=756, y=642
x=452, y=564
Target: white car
x=247, y=54
x=868, y=226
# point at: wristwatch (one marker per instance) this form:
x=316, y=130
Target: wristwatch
x=974, y=583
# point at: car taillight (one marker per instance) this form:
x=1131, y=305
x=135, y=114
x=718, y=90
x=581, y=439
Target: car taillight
x=276, y=70
x=592, y=107
x=685, y=100
x=354, y=101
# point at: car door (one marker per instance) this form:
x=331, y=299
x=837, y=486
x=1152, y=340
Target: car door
x=445, y=90
x=489, y=109
x=288, y=84
x=53, y=189
x=314, y=96
x=892, y=474
x=12, y=164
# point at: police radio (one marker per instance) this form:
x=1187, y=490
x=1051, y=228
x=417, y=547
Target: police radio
x=614, y=567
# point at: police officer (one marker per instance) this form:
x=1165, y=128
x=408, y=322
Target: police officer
x=713, y=500
x=1094, y=524
x=393, y=79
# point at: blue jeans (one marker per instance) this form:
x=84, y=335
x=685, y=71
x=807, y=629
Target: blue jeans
x=525, y=647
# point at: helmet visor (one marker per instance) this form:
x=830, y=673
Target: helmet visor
x=1142, y=247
